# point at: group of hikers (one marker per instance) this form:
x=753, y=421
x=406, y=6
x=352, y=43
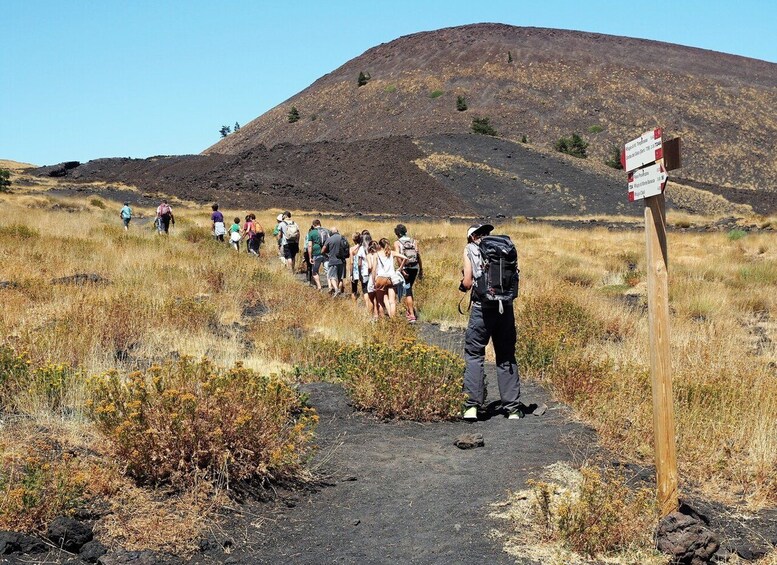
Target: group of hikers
x=384, y=273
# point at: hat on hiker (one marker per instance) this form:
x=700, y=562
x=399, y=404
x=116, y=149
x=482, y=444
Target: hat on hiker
x=479, y=229
x=280, y=217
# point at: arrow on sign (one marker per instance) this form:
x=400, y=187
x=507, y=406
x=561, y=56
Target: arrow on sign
x=646, y=182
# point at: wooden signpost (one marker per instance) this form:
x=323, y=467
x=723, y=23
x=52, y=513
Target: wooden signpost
x=643, y=158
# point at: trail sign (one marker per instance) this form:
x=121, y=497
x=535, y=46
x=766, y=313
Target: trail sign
x=645, y=149
x=646, y=182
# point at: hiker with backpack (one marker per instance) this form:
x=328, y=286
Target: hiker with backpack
x=314, y=241
x=255, y=243
x=289, y=231
x=249, y=232
x=164, y=217
x=412, y=269
x=491, y=273
x=279, y=237
x=336, y=251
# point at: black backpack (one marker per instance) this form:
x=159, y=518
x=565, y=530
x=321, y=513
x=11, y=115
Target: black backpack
x=343, y=251
x=498, y=280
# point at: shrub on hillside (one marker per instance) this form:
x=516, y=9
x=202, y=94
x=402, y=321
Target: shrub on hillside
x=599, y=515
x=5, y=180
x=613, y=159
x=483, y=126
x=402, y=378
x=27, y=389
x=461, y=103
x=97, y=203
x=574, y=146
x=188, y=420
x=37, y=482
x=363, y=79
x=293, y=115
x=436, y=94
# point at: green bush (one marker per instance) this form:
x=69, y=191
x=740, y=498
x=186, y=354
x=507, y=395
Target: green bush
x=482, y=126
x=185, y=421
x=5, y=180
x=363, y=79
x=613, y=159
x=524, y=139
x=436, y=94
x=735, y=234
x=574, y=146
x=595, y=129
x=391, y=88
x=97, y=203
x=293, y=115
x=402, y=379
x=461, y=103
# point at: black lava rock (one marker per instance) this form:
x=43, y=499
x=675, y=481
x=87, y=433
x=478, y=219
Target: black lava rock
x=68, y=533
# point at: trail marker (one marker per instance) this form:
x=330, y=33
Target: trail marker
x=643, y=159
x=647, y=181
x=647, y=148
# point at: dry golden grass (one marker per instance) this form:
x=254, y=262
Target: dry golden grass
x=171, y=296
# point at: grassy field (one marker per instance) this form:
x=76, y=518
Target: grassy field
x=166, y=303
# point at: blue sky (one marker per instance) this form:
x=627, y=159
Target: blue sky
x=135, y=78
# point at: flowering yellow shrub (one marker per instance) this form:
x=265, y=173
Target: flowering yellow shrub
x=406, y=379
x=188, y=420
x=25, y=388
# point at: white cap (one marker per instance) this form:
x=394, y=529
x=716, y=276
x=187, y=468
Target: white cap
x=280, y=217
x=480, y=229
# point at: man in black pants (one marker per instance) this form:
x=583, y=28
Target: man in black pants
x=488, y=320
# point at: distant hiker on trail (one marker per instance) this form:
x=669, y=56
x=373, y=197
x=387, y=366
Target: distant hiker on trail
x=279, y=237
x=249, y=230
x=372, y=260
x=314, y=242
x=258, y=240
x=126, y=215
x=356, y=271
x=164, y=217
x=385, y=275
x=289, y=240
x=218, y=223
x=412, y=269
x=336, y=251
x=490, y=266
x=234, y=234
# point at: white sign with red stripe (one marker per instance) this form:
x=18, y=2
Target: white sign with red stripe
x=645, y=149
x=646, y=182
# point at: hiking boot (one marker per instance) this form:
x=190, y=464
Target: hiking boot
x=410, y=318
x=516, y=414
x=470, y=414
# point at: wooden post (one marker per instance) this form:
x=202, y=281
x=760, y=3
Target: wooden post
x=660, y=365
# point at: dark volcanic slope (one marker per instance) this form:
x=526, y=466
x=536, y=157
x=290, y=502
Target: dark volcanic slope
x=510, y=179
x=376, y=176
x=558, y=82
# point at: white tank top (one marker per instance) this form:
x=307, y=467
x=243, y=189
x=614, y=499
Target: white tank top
x=385, y=266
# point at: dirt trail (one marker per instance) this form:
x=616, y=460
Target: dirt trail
x=401, y=492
